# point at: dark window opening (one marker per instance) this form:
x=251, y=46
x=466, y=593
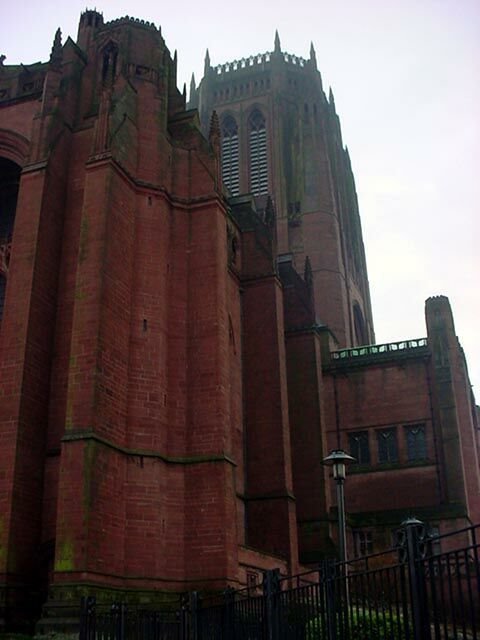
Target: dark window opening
x=416, y=442
x=387, y=445
x=109, y=66
x=359, y=447
x=359, y=326
x=9, y=182
x=362, y=543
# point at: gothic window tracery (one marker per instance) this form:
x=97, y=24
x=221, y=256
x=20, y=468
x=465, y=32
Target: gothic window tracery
x=258, y=154
x=387, y=445
x=360, y=446
x=416, y=442
x=230, y=155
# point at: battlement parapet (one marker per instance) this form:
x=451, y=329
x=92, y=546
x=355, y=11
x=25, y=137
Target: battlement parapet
x=291, y=58
x=128, y=20
x=243, y=63
x=257, y=60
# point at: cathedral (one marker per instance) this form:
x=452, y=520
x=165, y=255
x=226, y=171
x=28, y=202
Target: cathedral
x=186, y=333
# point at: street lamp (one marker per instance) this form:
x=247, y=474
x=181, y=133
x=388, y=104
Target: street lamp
x=338, y=460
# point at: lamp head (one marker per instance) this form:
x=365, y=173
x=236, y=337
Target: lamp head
x=338, y=460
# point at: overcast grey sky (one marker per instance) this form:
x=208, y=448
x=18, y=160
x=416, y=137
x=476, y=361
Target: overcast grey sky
x=405, y=75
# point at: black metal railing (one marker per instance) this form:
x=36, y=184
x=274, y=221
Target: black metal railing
x=120, y=621
x=403, y=346
x=424, y=588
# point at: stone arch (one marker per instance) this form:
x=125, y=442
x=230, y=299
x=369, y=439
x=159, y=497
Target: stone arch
x=228, y=123
x=14, y=147
x=256, y=117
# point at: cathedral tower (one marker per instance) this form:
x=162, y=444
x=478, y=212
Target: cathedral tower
x=281, y=136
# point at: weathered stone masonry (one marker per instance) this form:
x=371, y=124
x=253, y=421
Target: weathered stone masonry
x=175, y=359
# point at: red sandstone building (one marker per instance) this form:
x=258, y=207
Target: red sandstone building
x=178, y=356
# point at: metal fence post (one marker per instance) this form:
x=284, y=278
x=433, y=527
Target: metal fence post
x=194, y=607
x=123, y=620
x=419, y=606
x=182, y=617
x=83, y=619
x=329, y=608
x=87, y=618
x=114, y=621
x=228, y=622
x=271, y=592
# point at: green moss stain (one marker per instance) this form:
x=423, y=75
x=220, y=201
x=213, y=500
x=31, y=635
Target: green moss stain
x=68, y=417
x=65, y=560
x=79, y=294
x=122, y=125
x=69, y=410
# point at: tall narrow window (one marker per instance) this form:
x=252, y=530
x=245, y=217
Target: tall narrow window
x=9, y=181
x=359, y=325
x=416, y=444
x=109, y=65
x=230, y=157
x=258, y=154
x=359, y=446
x=387, y=445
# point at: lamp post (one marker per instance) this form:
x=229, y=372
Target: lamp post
x=338, y=460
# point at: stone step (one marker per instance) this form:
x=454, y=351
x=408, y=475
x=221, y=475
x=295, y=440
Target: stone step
x=57, y=625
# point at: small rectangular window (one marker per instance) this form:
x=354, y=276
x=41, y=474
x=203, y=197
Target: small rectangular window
x=362, y=543
x=416, y=443
x=359, y=446
x=387, y=445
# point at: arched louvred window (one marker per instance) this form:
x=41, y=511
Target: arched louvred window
x=9, y=181
x=258, y=154
x=359, y=325
x=230, y=155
